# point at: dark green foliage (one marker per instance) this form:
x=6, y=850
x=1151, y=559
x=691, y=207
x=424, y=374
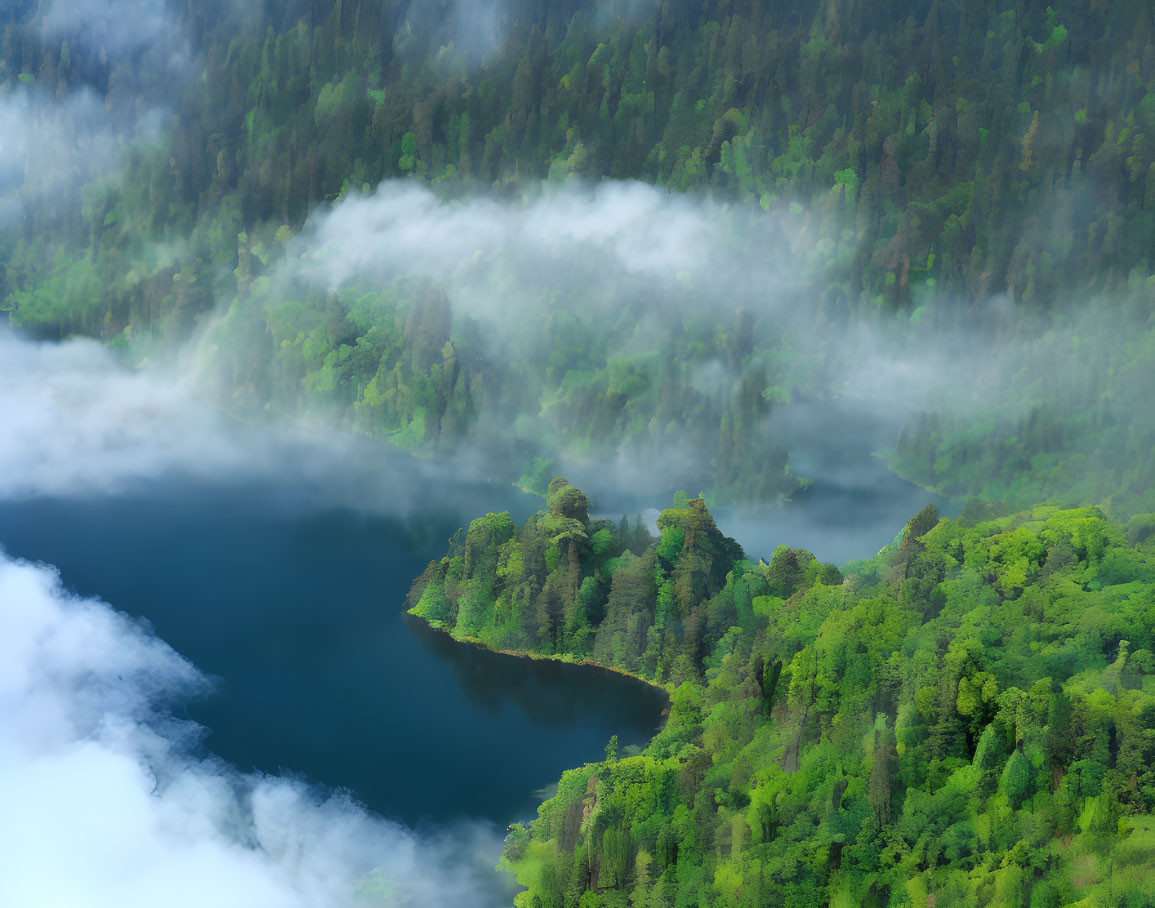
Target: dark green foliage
x=938, y=156
x=957, y=140
x=969, y=717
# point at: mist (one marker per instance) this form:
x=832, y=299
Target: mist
x=54, y=146
x=646, y=259
x=197, y=186
x=704, y=292
x=107, y=803
x=79, y=422
x=96, y=774
x=629, y=275
x=645, y=263
x=120, y=67
x=115, y=26
x=471, y=28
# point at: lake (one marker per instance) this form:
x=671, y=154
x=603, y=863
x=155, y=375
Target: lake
x=852, y=507
x=295, y=607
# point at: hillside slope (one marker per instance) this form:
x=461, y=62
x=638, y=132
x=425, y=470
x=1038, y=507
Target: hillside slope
x=966, y=719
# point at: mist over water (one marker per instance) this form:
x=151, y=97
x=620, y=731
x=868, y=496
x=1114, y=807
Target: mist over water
x=852, y=507
x=297, y=610
x=275, y=559
x=616, y=329
x=307, y=742
x=277, y=562
x=209, y=693
x=294, y=612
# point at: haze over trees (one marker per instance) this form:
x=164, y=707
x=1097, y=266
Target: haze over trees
x=942, y=170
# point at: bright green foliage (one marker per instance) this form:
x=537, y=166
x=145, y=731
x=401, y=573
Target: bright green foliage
x=968, y=718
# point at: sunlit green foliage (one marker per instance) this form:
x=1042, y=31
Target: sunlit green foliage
x=968, y=718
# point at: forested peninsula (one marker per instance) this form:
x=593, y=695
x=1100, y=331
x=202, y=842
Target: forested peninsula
x=967, y=718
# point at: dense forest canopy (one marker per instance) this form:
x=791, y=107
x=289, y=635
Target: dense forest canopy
x=936, y=169
x=967, y=718
x=989, y=149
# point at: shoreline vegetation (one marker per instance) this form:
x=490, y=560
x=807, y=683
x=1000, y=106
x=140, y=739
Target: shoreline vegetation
x=967, y=716
x=638, y=233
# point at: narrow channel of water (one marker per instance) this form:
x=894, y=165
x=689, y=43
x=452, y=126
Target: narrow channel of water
x=852, y=507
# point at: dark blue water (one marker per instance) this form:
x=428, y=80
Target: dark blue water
x=296, y=608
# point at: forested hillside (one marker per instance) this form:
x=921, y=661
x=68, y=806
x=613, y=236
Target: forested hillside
x=966, y=719
x=985, y=147
x=935, y=168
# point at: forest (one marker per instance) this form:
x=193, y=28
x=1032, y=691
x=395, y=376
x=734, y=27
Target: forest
x=630, y=238
x=925, y=171
x=967, y=717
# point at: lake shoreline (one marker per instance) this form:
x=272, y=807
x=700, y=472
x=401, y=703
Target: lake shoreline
x=542, y=657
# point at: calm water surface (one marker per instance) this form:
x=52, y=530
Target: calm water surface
x=296, y=609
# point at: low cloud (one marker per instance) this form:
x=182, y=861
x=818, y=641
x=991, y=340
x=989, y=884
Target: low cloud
x=107, y=803
x=603, y=235
x=76, y=421
x=636, y=257
x=626, y=325
x=103, y=79
x=627, y=269
x=52, y=147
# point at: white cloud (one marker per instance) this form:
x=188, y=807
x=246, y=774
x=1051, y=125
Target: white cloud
x=611, y=248
x=105, y=804
x=76, y=421
x=405, y=228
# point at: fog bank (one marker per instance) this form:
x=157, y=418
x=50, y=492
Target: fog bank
x=620, y=325
x=78, y=422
